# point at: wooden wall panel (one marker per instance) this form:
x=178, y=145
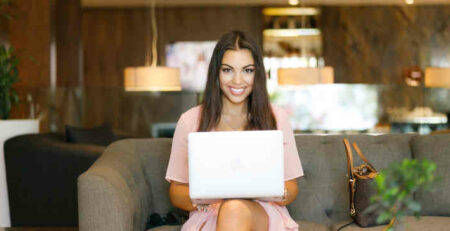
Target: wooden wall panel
x=115, y=38
x=29, y=33
x=68, y=42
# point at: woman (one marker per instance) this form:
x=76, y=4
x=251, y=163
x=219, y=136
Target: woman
x=235, y=99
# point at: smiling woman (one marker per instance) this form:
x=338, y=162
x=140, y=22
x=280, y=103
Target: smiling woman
x=235, y=99
x=236, y=87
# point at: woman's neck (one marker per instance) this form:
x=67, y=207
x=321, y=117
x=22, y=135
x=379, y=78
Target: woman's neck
x=230, y=108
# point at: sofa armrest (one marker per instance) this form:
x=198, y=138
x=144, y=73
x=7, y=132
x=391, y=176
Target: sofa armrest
x=42, y=172
x=114, y=193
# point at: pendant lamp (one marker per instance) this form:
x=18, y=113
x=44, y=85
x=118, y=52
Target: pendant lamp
x=152, y=77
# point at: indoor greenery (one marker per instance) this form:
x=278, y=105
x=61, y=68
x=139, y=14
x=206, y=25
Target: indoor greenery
x=396, y=186
x=9, y=74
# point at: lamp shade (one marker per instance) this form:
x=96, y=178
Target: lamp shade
x=437, y=77
x=148, y=78
x=304, y=76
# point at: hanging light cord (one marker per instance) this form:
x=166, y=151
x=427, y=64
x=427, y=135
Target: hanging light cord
x=154, y=37
x=151, y=55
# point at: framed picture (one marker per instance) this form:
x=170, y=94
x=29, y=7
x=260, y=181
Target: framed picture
x=193, y=59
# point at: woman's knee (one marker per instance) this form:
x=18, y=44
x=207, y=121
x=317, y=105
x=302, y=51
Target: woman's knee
x=236, y=208
x=245, y=214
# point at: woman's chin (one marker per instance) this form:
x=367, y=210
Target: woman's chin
x=237, y=99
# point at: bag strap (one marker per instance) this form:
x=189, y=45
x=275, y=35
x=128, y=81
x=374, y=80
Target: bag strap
x=351, y=176
x=369, y=165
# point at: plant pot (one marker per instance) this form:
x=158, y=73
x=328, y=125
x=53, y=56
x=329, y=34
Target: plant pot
x=9, y=129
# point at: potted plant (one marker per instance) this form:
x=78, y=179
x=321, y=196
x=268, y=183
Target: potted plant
x=9, y=75
x=396, y=187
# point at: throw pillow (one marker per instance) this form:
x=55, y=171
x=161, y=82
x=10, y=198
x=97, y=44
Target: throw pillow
x=101, y=135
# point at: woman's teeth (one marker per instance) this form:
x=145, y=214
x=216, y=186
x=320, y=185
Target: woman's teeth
x=236, y=90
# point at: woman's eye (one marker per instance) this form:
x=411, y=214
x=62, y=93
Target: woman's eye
x=249, y=70
x=226, y=70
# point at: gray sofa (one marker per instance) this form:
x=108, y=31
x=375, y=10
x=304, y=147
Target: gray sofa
x=126, y=183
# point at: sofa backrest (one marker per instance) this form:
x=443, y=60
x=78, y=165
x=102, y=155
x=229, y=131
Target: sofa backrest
x=437, y=149
x=323, y=195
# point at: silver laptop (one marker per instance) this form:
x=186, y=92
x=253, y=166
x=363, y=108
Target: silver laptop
x=243, y=164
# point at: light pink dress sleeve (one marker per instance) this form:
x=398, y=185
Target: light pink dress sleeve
x=177, y=170
x=292, y=165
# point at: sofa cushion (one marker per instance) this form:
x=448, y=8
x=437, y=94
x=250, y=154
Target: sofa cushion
x=311, y=226
x=437, y=149
x=410, y=224
x=101, y=135
x=323, y=196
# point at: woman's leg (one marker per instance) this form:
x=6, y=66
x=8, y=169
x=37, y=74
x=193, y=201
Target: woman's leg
x=242, y=215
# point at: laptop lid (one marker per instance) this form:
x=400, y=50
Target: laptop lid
x=236, y=164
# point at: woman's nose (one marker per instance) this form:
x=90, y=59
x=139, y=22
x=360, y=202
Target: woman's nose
x=237, y=79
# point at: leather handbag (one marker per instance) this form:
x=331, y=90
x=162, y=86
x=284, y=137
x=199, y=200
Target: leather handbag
x=360, y=187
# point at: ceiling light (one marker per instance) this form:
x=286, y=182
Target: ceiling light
x=437, y=77
x=305, y=76
x=151, y=77
x=293, y=2
x=291, y=11
x=409, y=2
x=291, y=32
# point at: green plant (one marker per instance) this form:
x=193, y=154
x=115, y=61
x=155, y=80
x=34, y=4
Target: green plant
x=5, y=10
x=396, y=186
x=9, y=74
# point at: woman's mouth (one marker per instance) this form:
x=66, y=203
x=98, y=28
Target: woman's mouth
x=237, y=91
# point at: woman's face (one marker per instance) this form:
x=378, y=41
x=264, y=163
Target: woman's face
x=236, y=75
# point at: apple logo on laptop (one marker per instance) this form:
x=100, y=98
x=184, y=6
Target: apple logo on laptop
x=236, y=164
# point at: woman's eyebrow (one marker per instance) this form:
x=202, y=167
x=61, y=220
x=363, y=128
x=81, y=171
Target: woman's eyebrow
x=249, y=65
x=223, y=64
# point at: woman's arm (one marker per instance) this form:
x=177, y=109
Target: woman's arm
x=292, y=191
x=179, y=196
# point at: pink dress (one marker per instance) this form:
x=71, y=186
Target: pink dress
x=177, y=170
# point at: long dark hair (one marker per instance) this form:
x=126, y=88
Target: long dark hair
x=260, y=115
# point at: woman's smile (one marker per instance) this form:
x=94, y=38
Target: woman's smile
x=237, y=91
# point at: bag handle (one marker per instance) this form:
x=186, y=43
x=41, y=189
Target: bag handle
x=369, y=165
x=348, y=150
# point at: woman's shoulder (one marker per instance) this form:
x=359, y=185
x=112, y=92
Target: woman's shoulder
x=191, y=117
x=192, y=113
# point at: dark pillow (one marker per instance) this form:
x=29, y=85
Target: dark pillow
x=101, y=135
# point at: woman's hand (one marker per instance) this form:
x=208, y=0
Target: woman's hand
x=291, y=191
